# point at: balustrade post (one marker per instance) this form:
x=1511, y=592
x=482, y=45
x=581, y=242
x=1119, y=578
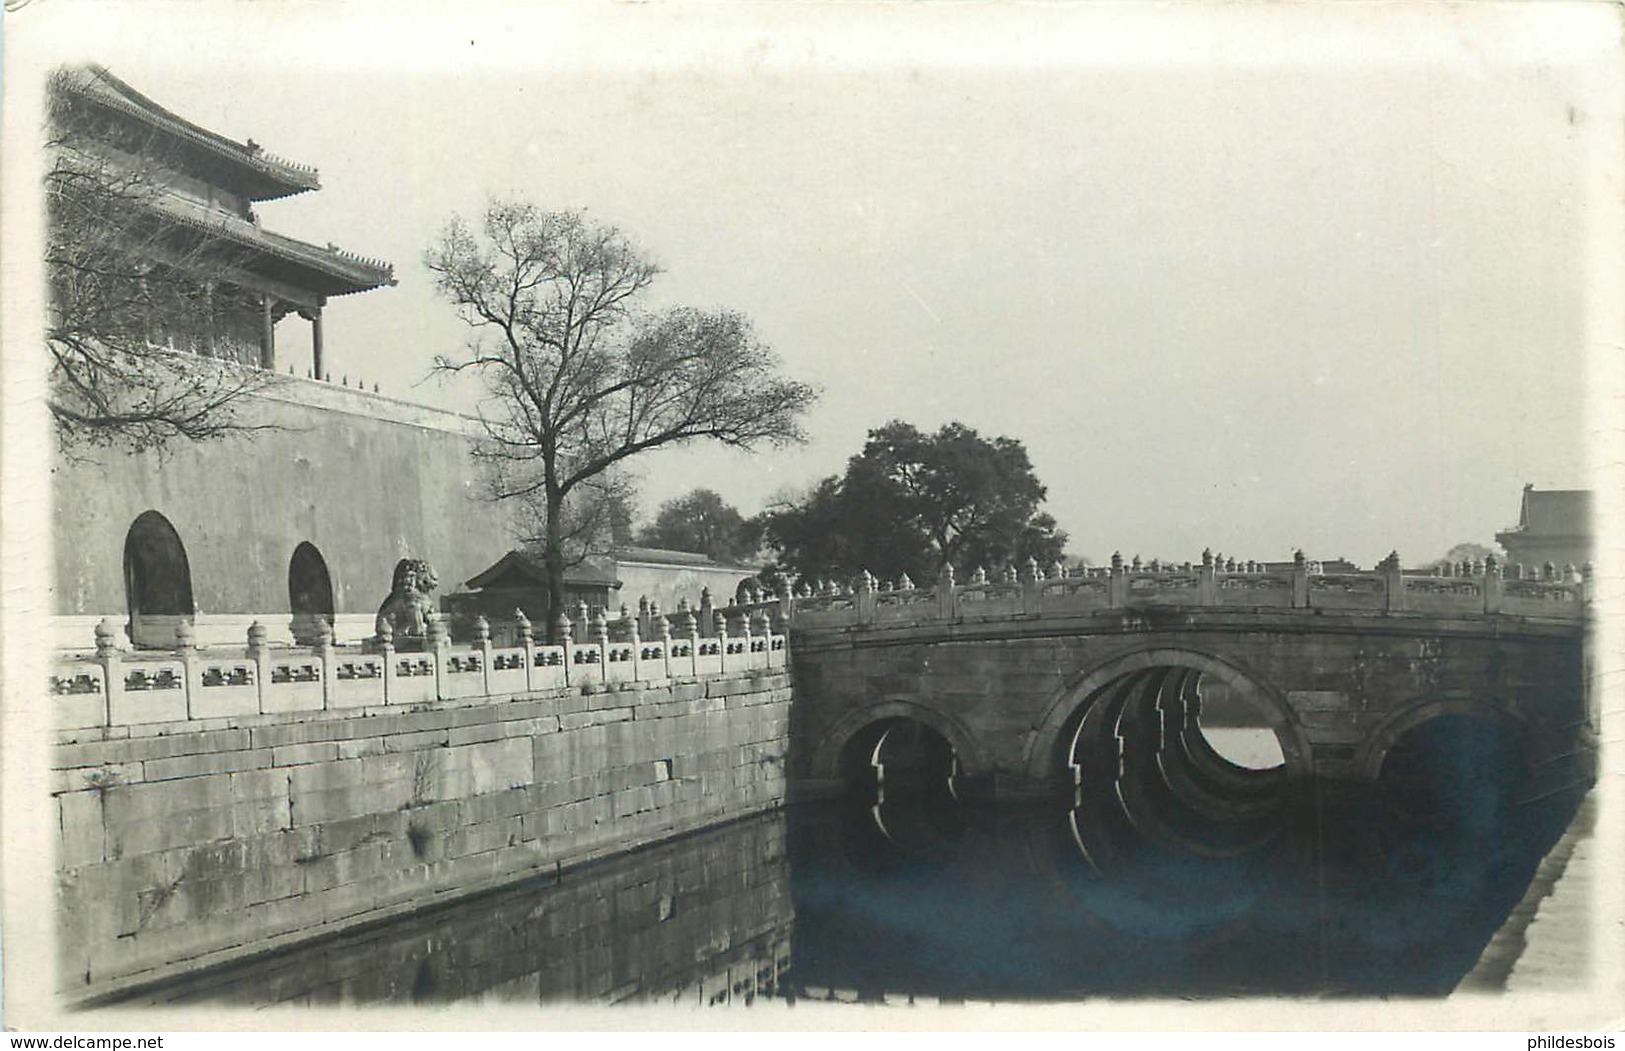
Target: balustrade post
x=1393, y=583
x=744, y=631
x=386, y=651
x=583, y=623
x=186, y=650
x=1492, y=584
x=719, y=624
x=564, y=631
x=1032, y=580
x=707, y=612
x=947, y=595
x=689, y=626
x=1117, y=584
x=634, y=638
x=259, y=654
x=645, y=616
x=1588, y=572
x=1207, y=584
x=762, y=628
x=324, y=654
x=663, y=627
x=438, y=643
x=482, y=646
x=527, y=643
x=864, y=601
x=600, y=637
x=1300, y=581
x=110, y=661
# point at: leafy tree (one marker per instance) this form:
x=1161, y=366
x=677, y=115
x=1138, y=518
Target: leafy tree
x=701, y=521
x=581, y=377
x=1468, y=553
x=138, y=323
x=913, y=502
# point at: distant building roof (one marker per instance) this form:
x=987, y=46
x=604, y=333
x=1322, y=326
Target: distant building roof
x=1553, y=512
x=665, y=556
x=517, y=570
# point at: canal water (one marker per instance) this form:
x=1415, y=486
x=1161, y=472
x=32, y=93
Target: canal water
x=901, y=893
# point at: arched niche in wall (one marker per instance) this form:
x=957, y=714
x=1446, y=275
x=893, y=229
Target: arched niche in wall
x=310, y=593
x=157, y=581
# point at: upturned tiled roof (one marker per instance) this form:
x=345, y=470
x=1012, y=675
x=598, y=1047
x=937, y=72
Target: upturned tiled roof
x=264, y=175
x=330, y=270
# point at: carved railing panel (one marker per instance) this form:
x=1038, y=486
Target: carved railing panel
x=1448, y=595
x=357, y=681
x=1350, y=591
x=506, y=672
x=618, y=662
x=708, y=657
x=990, y=601
x=1074, y=595
x=1253, y=590
x=1540, y=598
x=1162, y=589
x=914, y=604
x=462, y=674
x=293, y=684
x=547, y=668
x=412, y=679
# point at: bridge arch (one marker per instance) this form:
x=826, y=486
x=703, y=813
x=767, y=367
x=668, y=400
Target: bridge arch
x=1368, y=760
x=1044, y=744
x=826, y=757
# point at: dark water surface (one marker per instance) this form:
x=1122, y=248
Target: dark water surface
x=922, y=896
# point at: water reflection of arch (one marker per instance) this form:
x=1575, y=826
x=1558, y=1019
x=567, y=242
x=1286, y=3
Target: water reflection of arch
x=1046, y=746
x=157, y=580
x=827, y=754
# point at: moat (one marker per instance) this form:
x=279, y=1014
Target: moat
x=919, y=897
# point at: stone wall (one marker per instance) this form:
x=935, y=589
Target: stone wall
x=367, y=480
x=189, y=844
x=696, y=920
x=666, y=583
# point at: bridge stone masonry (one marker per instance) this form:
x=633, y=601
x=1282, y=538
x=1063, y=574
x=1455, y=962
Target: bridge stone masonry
x=1342, y=667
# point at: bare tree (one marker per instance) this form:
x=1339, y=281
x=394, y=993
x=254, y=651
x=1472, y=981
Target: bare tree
x=133, y=313
x=580, y=378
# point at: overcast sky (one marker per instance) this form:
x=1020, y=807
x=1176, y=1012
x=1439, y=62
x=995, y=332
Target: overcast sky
x=1243, y=277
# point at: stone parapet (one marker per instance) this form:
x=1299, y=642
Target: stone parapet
x=114, y=687
x=1469, y=590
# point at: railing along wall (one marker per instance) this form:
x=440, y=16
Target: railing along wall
x=115, y=687
x=1467, y=589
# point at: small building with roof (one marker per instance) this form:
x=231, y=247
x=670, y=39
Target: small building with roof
x=518, y=581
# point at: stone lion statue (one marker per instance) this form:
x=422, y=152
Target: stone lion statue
x=408, y=608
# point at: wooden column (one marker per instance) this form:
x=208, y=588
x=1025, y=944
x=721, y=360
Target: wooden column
x=316, y=340
x=267, y=335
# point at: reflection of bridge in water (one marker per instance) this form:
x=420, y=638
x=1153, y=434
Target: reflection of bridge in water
x=920, y=898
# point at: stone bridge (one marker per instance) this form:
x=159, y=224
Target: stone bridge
x=1035, y=680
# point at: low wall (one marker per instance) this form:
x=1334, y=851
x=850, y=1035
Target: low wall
x=191, y=843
